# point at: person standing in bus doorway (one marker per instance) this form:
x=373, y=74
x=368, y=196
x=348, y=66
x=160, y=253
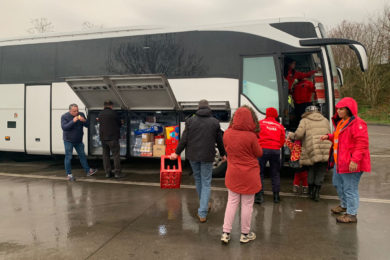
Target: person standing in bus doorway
x=349, y=157
x=290, y=74
x=109, y=131
x=242, y=179
x=302, y=94
x=271, y=139
x=314, y=154
x=201, y=133
x=72, y=124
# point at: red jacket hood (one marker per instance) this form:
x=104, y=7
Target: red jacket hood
x=243, y=120
x=271, y=112
x=350, y=103
x=346, y=102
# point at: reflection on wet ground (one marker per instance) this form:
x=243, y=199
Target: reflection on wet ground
x=54, y=219
x=46, y=219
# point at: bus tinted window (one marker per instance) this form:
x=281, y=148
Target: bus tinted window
x=259, y=82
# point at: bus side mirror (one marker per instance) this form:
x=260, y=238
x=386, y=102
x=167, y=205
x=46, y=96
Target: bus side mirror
x=340, y=74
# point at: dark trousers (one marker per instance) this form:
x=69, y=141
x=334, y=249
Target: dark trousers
x=273, y=157
x=113, y=146
x=300, y=109
x=317, y=173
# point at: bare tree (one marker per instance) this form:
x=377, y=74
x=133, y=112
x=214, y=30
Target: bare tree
x=375, y=37
x=40, y=25
x=89, y=26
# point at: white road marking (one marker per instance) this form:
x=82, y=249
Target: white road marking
x=380, y=155
x=183, y=186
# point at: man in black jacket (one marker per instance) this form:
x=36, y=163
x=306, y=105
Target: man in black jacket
x=109, y=131
x=201, y=133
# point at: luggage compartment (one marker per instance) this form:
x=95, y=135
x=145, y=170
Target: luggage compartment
x=146, y=105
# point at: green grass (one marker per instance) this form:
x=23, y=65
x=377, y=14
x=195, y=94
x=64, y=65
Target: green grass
x=378, y=115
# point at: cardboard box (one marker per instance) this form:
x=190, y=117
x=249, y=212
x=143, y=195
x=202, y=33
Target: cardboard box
x=148, y=137
x=159, y=141
x=158, y=150
x=146, y=147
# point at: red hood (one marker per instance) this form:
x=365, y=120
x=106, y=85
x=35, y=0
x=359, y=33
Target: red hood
x=271, y=112
x=350, y=103
x=243, y=120
x=345, y=102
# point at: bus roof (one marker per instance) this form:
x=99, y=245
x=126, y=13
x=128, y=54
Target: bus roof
x=257, y=27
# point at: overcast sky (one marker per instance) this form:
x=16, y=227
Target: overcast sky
x=69, y=15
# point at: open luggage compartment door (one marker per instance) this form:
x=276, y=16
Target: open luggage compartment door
x=137, y=92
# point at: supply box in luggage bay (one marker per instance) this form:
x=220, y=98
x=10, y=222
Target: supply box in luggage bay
x=155, y=140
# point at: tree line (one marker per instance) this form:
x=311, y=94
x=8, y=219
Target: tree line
x=374, y=34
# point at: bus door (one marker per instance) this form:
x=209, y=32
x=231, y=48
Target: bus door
x=130, y=94
x=259, y=85
x=38, y=119
x=305, y=63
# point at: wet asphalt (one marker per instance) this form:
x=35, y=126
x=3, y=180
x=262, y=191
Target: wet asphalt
x=43, y=216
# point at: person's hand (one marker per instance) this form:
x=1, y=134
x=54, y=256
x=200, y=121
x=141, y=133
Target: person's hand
x=173, y=156
x=224, y=158
x=82, y=119
x=75, y=119
x=324, y=137
x=290, y=136
x=353, y=166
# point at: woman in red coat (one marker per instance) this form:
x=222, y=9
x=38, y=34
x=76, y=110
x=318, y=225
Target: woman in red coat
x=242, y=175
x=349, y=156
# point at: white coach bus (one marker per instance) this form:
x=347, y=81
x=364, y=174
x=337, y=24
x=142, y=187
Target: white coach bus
x=157, y=74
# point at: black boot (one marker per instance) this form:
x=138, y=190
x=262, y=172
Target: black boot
x=259, y=198
x=276, y=197
x=317, y=192
x=311, y=191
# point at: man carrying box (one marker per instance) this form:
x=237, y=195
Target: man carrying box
x=201, y=133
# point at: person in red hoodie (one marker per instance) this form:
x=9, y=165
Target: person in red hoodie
x=290, y=74
x=302, y=95
x=272, y=137
x=349, y=157
x=242, y=180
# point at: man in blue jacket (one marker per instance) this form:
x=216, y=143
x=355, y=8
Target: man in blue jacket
x=72, y=124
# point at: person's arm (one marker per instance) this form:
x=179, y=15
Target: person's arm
x=282, y=136
x=300, y=132
x=360, y=139
x=184, y=138
x=65, y=124
x=84, y=119
x=302, y=75
x=219, y=140
x=256, y=148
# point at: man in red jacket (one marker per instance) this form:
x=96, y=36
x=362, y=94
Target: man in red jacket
x=302, y=93
x=272, y=137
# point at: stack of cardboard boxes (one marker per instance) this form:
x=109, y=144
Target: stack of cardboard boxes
x=147, y=144
x=159, y=146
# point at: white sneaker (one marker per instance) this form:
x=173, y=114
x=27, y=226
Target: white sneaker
x=71, y=178
x=246, y=238
x=225, y=238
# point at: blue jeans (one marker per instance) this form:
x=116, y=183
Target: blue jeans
x=68, y=156
x=347, y=186
x=203, y=173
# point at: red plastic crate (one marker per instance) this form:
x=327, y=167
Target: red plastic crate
x=170, y=173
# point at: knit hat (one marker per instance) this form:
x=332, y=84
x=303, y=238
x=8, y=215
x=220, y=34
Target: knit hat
x=203, y=104
x=311, y=109
x=271, y=112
